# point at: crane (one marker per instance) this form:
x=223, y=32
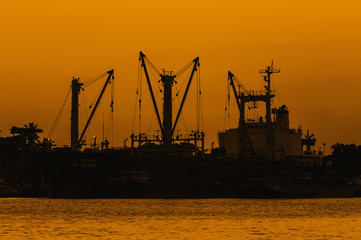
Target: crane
x=108, y=81
x=243, y=132
x=166, y=125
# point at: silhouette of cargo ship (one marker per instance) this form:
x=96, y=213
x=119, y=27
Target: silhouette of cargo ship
x=263, y=157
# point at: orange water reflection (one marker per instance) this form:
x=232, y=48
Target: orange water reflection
x=180, y=219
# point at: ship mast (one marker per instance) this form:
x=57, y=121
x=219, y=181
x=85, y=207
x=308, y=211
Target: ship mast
x=75, y=86
x=269, y=70
x=167, y=127
x=167, y=79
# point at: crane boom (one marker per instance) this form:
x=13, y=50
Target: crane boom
x=242, y=122
x=230, y=78
x=142, y=56
x=110, y=76
x=196, y=63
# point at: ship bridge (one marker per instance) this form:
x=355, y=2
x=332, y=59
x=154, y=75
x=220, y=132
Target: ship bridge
x=268, y=136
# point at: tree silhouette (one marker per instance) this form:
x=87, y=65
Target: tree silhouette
x=29, y=133
x=15, y=130
x=346, y=158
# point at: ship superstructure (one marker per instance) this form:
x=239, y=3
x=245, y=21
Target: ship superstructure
x=262, y=157
x=268, y=136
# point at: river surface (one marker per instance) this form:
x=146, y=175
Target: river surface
x=37, y=218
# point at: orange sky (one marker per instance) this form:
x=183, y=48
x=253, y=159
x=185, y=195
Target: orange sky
x=316, y=44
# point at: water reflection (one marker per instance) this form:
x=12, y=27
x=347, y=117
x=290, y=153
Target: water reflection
x=179, y=218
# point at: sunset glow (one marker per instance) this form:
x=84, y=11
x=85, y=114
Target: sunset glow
x=316, y=44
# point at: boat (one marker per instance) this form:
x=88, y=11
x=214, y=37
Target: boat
x=261, y=158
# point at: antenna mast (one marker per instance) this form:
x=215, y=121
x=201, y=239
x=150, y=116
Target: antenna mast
x=269, y=70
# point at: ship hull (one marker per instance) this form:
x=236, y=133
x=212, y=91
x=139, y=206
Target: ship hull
x=128, y=176
x=120, y=174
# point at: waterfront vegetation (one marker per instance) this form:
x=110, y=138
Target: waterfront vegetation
x=343, y=155
x=346, y=158
x=27, y=164
x=25, y=138
x=28, y=134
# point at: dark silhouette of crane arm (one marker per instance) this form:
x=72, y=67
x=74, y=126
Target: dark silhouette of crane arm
x=110, y=75
x=142, y=56
x=230, y=78
x=241, y=110
x=196, y=63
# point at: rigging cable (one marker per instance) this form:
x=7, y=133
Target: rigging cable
x=59, y=114
x=251, y=109
x=151, y=64
x=197, y=99
x=229, y=104
x=110, y=125
x=67, y=138
x=225, y=107
x=185, y=80
x=183, y=83
x=180, y=72
x=152, y=122
x=186, y=125
x=181, y=115
x=64, y=135
x=112, y=107
x=95, y=99
x=140, y=101
x=182, y=119
x=136, y=100
x=86, y=113
x=153, y=76
x=94, y=79
x=109, y=128
x=278, y=95
x=201, y=101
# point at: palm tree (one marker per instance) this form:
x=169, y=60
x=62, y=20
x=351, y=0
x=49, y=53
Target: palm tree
x=15, y=130
x=31, y=131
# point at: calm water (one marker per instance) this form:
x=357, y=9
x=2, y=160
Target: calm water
x=22, y=218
